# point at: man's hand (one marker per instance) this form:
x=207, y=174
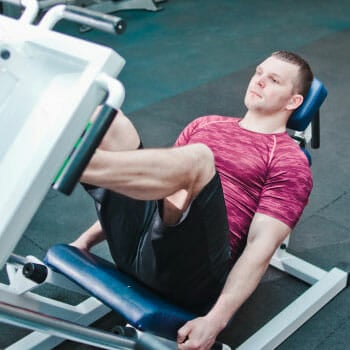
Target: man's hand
x=197, y=334
x=90, y=237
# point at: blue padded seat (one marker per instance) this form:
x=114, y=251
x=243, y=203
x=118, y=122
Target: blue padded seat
x=302, y=117
x=139, y=306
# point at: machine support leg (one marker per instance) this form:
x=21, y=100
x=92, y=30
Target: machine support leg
x=298, y=312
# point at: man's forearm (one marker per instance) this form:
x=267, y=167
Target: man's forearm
x=92, y=236
x=240, y=284
x=265, y=235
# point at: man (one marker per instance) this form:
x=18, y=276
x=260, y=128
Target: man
x=199, y=222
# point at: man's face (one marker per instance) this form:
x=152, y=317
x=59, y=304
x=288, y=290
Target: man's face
x=272, y=86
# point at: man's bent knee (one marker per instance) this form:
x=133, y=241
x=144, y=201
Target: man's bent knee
x=196, y=162
x=203, y=169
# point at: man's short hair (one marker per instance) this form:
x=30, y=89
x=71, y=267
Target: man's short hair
x=304, y=81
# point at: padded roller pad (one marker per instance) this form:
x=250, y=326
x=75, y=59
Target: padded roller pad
x=302, y=117
x=140, y=307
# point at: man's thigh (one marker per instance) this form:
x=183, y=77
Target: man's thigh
x=189, y=262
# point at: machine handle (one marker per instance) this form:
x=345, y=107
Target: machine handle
x=147, y=341
x=316, y=133
x=95, y=19
x=35, y=272
x=70, y=174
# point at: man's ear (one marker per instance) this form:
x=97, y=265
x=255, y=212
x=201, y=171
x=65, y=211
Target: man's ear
x=295, y=102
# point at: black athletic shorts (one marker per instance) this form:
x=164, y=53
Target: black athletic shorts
x=187, y=263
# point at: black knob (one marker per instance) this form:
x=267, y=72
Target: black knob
x=35, y=272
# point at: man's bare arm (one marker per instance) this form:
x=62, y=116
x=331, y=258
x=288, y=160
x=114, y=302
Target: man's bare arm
x=90, y=237
x=265, y=235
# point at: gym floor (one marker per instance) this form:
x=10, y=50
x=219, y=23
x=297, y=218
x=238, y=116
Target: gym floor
x=195, y=58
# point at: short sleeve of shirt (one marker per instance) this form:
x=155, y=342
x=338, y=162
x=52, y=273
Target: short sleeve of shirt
x=287, y=188
x=185, y=136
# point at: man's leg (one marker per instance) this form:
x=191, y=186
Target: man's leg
x=174, y=174
x=186, y=259
x=120, y=136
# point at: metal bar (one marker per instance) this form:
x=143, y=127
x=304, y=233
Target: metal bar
x=316, y=131
x=297, y=267
x=68, y=330
x=17, y=259
x=298, y=312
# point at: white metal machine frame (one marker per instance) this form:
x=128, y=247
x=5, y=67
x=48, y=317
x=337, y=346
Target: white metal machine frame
x=325, y=285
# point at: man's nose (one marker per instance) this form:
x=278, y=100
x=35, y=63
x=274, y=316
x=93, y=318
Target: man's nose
x=261, y=81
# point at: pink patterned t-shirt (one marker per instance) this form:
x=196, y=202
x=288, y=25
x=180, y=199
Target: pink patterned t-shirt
x=263, y=173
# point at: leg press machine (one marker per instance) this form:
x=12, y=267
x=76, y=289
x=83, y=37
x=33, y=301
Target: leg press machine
x=40, y=133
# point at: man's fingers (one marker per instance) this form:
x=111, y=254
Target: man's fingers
x=182, y=333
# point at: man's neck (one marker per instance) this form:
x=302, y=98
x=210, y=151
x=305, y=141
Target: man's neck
x=263, y=124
